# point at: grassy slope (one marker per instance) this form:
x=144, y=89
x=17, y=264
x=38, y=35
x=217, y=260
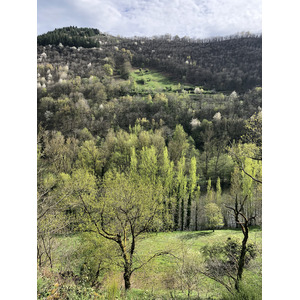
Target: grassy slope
x=154, y=278
x=154, y=81
x=190, y=243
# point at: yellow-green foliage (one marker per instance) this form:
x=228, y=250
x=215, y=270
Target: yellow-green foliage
x=213, y=215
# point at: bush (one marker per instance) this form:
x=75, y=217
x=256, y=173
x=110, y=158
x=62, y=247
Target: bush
x=47, y=290
x=246, y=292
x=77, y=292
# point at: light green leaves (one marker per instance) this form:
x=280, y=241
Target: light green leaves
x=213, y=215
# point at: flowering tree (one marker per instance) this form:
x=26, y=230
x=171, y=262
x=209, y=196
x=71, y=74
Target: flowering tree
x=195, y=123
x=217, y=116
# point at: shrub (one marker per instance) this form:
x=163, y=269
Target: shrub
x=246, y=292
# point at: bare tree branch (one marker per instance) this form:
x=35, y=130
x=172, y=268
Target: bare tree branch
x=56, y=203
x=240, y=163
x=152, y=257
x=95, y=223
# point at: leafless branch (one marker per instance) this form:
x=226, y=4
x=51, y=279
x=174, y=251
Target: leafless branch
x=152, y=257
x=95, y=223
x=56, y=203
x=240, y=163
x=228, y=287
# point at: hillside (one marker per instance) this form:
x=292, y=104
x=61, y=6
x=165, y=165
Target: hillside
x=148, y=140
x=224, y=63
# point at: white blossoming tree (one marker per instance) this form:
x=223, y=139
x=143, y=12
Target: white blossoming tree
x=197, y=90
x=217, y=116
x=195, y=123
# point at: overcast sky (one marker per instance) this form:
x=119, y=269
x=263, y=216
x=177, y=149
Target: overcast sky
x=193, y=18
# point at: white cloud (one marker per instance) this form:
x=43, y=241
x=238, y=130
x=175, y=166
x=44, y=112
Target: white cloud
x=194, y=18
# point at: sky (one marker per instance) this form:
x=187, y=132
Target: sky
x=128, y=18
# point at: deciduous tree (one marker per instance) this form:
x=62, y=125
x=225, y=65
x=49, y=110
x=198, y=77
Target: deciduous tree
x=214, y=216
x=127, y=207
x=191, y=190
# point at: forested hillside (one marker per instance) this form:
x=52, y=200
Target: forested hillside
x=139, y=137
x=222, y=63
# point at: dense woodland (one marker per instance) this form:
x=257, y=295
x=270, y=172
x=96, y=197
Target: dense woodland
x=124, y=157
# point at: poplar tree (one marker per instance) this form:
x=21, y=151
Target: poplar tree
x=181, y=188
x=218, y=192
x=209, y=192
x=197, y=196
x=148, y=164
x=179, y=144
x=191, y=190
x=133, y=161
x=89, y=157
x=167, y=179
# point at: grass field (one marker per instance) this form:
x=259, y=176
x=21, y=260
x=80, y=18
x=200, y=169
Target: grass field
x=163, y=277
x=187, y=245
x=150, y=81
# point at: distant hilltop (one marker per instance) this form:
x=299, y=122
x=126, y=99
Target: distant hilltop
x=71, y=36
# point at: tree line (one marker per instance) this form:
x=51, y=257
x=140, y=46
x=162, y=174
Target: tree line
x=70, y=36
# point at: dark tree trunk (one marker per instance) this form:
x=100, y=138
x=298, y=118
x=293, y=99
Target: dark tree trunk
x=238, y=212
x=196, y=216
x=127, y=275
x=176, y=214
x=170, y=208
x=241, y=262
x=206, y=165
x=97, y=274
x=164, y=214
x=182, y=214
x=39, y=255
x=48, y=252
x=188, y=215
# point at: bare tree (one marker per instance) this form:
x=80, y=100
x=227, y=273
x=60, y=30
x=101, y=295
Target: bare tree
x=243, y=221
x=225, y=263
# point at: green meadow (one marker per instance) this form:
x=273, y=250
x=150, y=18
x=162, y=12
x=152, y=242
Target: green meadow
x=166, y=276
x=154, y=81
